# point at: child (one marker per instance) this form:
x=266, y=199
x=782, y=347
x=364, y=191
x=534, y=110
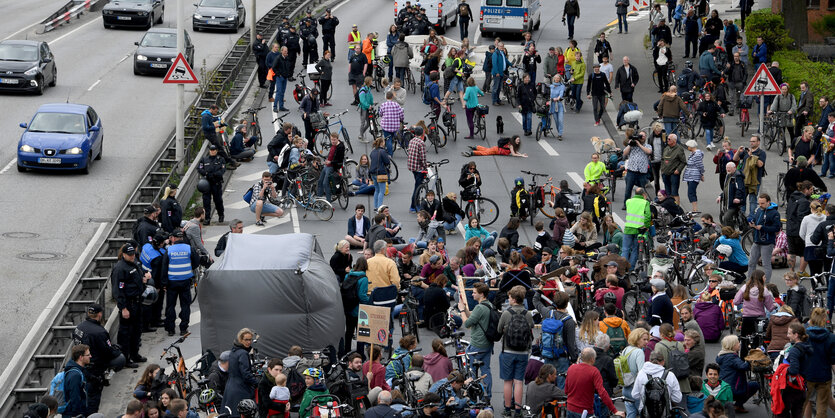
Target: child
x=661, y=261
x=440, y=246
x=280, y=396
x=542, y=237
x=428, y=229
x=431, y=249
x=315, y=387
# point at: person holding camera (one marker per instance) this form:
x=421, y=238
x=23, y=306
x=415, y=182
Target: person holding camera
x=265, y=199
x=637, y=154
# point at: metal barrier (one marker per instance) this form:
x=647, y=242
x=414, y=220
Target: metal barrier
x=72, y=10
x=45, y=349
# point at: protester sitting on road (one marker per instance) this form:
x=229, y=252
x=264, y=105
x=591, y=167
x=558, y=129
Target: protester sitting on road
x=240, y=148
x=473, y=229
x=363, y=181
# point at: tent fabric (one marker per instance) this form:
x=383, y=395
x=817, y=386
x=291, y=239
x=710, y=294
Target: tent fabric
x=280, y=286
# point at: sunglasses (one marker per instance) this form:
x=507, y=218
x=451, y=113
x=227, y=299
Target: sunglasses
x=713, y=281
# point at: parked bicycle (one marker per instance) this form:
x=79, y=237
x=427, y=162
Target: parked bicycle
x=322, y=137
x=296, y=194
x=536, y=194
x=431, y=177
x=477, y=206
x=480, y=121
x=435, y=134
x=254, y=125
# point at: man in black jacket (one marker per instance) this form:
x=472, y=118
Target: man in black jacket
x=309, y=106
x=734, y=194
x=283, y=69
x=465, y=16
x=329, y=22
x=219, y=373
x=597, y=88
x=796, y=209
x=104, y=354
x=526, y=93
x=626, y=79
x=736, y=75
x=309, y=33
x=260, y=50
x=293, y=48
x=147, y=226
x=128, y=283
x=212, y=168
x=235, y=227
x=662, y=31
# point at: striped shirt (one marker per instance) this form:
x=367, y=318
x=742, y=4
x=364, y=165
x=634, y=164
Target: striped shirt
x=390, y=116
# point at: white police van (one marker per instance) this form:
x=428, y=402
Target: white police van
x=439, y=13
x=509, y=16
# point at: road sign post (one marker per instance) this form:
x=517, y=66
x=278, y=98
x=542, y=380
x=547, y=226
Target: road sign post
x=181, y=93
x=252, y=23
x=762, y=84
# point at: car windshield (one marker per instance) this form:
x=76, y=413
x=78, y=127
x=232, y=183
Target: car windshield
x=67, y=123
x=159, y=40
x=18, y=52
x=223, y=4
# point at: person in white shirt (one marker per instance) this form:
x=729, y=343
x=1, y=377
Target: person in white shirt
x=655, y=368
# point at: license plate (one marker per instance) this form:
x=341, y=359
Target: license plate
x=8, y=81
x=123, y=17
x=159, y=65
x=49, y=160
x=213, y=22
x=492, y=20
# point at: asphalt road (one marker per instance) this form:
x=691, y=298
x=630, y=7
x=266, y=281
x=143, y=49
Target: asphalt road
x=94, y=67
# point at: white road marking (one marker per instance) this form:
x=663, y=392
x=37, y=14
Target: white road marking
x=333, y=9
x=618, y=220
x=240, y=204
x=542, y=143
x=22, y=30
x=295, y=216
x=263, y=153
x=75, y=30
x=477, y=37
x=251, y=229
x=94, y=85
x=250, y=177
x=9, y=166
x=123, y=58
x=461, y=229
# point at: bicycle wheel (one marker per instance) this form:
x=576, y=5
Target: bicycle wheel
x=781, y=140
x=194, y=282
x=452, y=130
x=393, y=171
x=781, y=190
x=630, y=306
x=343, y=197
x=349, y=170
x=747, y=241
x=258, y=135
x=655, y=78
x=344, y=133
x=421, y=194
x=770, y=136
x=488, y=211
x=323, y=209
x=532, y=209
x=539, y=131
x=511, y=97
x=613, y=186
x=482, y=127
x=441, y=136
x=719, y=130
x=322, y=143
x=412, y=84
x=193, y=400
x=433, y=138
x=414, y=324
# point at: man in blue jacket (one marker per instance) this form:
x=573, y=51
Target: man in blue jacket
x=766, y=224
x=209, y=123
x=75, y=381
x=499, y=60
x=487, y=67
x=707, y=66
x=760, y=52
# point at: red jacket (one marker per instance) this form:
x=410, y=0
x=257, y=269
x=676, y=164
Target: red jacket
x=581, y=383
x=379, y=378
x=780, y=381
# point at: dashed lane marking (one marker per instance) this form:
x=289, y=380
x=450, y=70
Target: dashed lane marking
x=295, y=216
x=542, y=143
x=9, y=166
x=94, y=85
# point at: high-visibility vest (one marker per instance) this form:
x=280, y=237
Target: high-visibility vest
x=179, y=262
x=635, y=211
x=356, y=38
x=149, y=253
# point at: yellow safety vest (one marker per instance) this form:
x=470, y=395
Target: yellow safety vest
x=357, y=38
x=636, y=211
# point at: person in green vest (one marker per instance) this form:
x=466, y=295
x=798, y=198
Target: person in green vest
x=595, y=169
x=577, y=78
x=637, y=217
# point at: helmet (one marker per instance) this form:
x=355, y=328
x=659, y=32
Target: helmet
x=207, y=396
x=519, y=182
x=149, y=296
x=610, y=297
x=203, y=186
x=724, y=249
x=688, y=64
x=312, y=372
x=385, y=60
x=247, y=408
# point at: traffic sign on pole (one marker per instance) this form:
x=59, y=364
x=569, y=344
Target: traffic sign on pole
x=763, y=83
x=180, y=72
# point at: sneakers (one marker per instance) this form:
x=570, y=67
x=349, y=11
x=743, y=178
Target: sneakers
x=257, y=223
x=283, y=109
x=710, y=147
x=507, y=413
x=559, y=137
x=263, y=219
x=597, y=123
x=467, y=154
x=220, y=219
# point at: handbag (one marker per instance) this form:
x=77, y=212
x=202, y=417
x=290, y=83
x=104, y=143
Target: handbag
x=382, y=178
x=270, y=74
x=248, y=196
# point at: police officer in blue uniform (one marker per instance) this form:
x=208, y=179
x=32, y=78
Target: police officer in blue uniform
x=212, y=168
x=151, y=260
x=178, y=264
x=129, y=283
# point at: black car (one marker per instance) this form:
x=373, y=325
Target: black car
x=158, y=50
x=219, y=14
x=26, y=66
x=133, y=13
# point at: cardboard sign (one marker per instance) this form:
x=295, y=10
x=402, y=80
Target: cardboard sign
x=373, y=324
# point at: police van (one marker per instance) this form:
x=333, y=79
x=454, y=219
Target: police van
x=509, y=16
x=440, y=14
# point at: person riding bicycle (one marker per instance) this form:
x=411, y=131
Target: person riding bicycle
x=670, y=108
x=687, y=79
x=594, y=170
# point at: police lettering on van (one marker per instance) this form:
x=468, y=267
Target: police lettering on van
x=509, y=16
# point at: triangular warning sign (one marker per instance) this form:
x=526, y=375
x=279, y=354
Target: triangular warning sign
x=180, y=72
x=762, y=83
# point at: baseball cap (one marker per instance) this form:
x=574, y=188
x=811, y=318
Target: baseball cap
x=212, y=147
x=177, y=233
x=658, y=284
x=149, y=210
x=94, y=309
x=129, y=250
x=547, y=250
x=434, y=259
x=441, y=239
x=224, y=356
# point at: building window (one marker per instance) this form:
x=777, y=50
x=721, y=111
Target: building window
x=813, y=4
x=831, y=5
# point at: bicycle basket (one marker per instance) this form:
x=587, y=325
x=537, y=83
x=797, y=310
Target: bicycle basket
x=317, y=120
x=482, y=110
x=542, y=110
x=727, y=294
x=448, y=118
x=314, y=76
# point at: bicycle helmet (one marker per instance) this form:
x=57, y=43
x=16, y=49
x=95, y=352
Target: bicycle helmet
x=610, y=297
x=519, y=182
x=385, y=60
x=724, y=249
x=248, y=408
x=207, y=396
x=688, y=64
x=312, y=372
x=149, y=296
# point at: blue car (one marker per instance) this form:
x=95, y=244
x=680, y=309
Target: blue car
x=61, y=136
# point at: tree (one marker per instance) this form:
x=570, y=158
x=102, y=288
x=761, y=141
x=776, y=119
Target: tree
x=797, y=22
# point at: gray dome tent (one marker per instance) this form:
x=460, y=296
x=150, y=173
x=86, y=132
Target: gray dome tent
x=280, y=286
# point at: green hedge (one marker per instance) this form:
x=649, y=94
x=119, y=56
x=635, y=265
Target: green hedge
x=769, y=26
x=797, y=67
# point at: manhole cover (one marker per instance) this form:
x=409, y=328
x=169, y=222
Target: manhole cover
x=20, y=235
x=40, y=256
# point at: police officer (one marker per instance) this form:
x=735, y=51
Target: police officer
x=309, y=32
x=129, y=283
x=147, y=226
x=260, y=50
x=329, y=22
x=178, y=264
x=104, y=354
x=212, y=168
x=283, y=31
x=151, y=260
x=293, y=49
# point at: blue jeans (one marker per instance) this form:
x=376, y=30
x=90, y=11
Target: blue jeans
x=413, y=205
x=671, y=125
x=561, y=364
x=389, y=136
x=379, y=192
x=451, y=225
x=631, y=409
x=752, y=200
x=272, y=167
x=577, y=92
x=671, y=182
x=526, y=121
x=324, y=186
x=280, y=87
x=484, y=355
x=691, y=191
x=622, y=23
x=559, y=115
x=498, y=80
x=488, y=241
x=633, y=178
x=600, y=410
x=630, y=248
x=828, y=163
x=363, y=188
x=709, y=136
x=570, y=20
x=463, y=27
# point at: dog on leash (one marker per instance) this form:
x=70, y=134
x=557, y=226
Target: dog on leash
x=602, y=145
x=499, y=125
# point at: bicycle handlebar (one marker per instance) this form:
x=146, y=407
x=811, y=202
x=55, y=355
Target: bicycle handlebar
x=336, y=115
x=439, y=163
x=255, y=109
x=174, y=344
x=281, y=117
x=533, y=174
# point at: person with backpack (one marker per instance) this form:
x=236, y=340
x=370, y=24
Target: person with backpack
x=628, y=364
x=70, y=385
x=583, y=381
x=483, y=323
x=656, y=388
x=616, y=328
x=465, y=16
x=675, y=358
x=516, y=327
x=395, y=368
x=354, y=291
x=733, y=370
x=560, y=347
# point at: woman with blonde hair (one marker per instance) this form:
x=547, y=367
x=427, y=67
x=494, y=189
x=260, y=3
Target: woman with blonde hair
x=341, y=260
x=585, y=233
x=813, y=255
x=241, y=382
x=171, y=214
x=733, y=371
x=588, y=330
x=634, y=353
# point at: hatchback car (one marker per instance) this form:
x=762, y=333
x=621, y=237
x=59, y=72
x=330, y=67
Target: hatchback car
x=61, y=136
x=157, y=51
x=26, y=66
x=218, y=14
x=133, y=13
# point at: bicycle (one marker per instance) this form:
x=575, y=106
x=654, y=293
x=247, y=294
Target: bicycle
x=296, y=195
x=774, y=132
x=409, y=81
x=373, y=125
x=479, y=207
x=428, y=179
x=671, y=75
x=322, y=137
x=327, y=406
x=197, y=399
x=450, y=121
x=536, y=194
x=744, y=114
x=763, y=395
x=408, y=313
x=818, y=284
x=301, y=89
x=543, y=128
x=634, y=301
x=510, y=86
x=340, y=185
x=181, y=377
x=377, y=74
x=644, y=251
x=406, y=385
x=254, y=125
x=198, y=276
x=402, y=138
x=435, y=133
x=480, y=121
x=781, y=185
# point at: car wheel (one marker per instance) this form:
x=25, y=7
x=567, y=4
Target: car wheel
x=161, y=15
x=150, y=21
x=86, y=169
x=41, y=82
x=54, y=77
x=194, y=28
x=136, y=71
x=106, y=26
x=101, y=149
x=21, y=169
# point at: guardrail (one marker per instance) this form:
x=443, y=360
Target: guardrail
x=71, y=10
x=45, y=349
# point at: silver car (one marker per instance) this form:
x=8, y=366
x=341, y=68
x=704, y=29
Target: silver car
x=219, y=14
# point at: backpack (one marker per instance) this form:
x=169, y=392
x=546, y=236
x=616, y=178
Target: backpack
x=657, y=396
x=284, y=156
x=519, y=202
x=349, y=289
x=682, y=81
x=617, y=339
x=427, y=95
x=295, y=382
x=518, y=334
x=463, y=10
x=492, y=332
x=552, y=345
x=677, y=362
x=622, y=370
x=56, y=388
